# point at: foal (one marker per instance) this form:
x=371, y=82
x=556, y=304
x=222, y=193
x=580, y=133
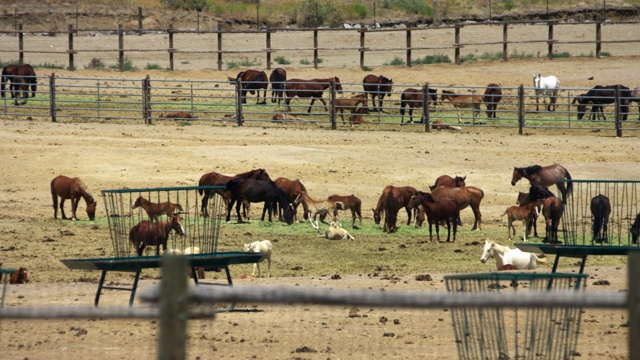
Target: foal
x=154, y=210
x=525, y=213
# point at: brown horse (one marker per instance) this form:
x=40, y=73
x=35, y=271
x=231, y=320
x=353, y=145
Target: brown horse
x=252, y=81
x=20, y=276
x=147, y=233
x=600, y=209
x=379, y=86
x=552, y=211
x=320, y=207
x=403, y=193
x=448, y=181
x=413, y=98
x=74, y=189
x=292, y=188
x=525, y=213
x=491, y=98
x=443, y=209
x=464, y=196
x=346, y=202
x=356, y=116
x=350, y=104
x=277, y=78
x=635, y=229
x=154, y=210
x=310, y=89
x=214, y=178
x=461, y=101
x=536, y=195
x=544, y=176
x=18, y=73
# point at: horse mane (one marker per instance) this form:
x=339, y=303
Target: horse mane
x=533, y=169
x=86, y=193
x=502, y=248
x=537, y=192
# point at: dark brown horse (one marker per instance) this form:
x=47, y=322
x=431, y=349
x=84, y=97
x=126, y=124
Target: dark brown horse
x=252, y=81
x=544, y=176
x=448, y=181
x=600, y=209
x=635, y=229
x=74, y=189
x=243, y=189
x=379, y=86
x=214, y=178
x=20, y=276
x=599, y=96
x=19, y=89
x=464, y=196
x=491, y=98
x=536, y=195
x=277, y=78
x=462, y=101
x=154, y=210
x=346, y=202
x=147, y=233
x=413, y=98
x=292, y=188
x=552, y=211
x=403, y=193
x=18, y=74
x=310, y=89
x=443, y=209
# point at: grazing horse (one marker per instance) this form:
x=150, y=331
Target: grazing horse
x=252, y=81
x=390, y=203
x=413, y=98
x=547, y=86
x=464, y=196
x=148, y=233
x=258, y=191
x=536, y=195
x=443, y=209
x=19, y=89
x=600, y=209
x=277, y=78
x=309, y=89
x=18, y=73
x=350, y=104
x=552, y=211
x=154, y=210
x=20, y=276
x=74, y=189
x=599, y=96
x=214, y=178
x=346, y=202
x=448, y=181
x=379, y=86
x=356, y=116
x=291, y=188
x=460, y=101
x=506, y=256
x=544, y=176
x=635, y=229
x=320, y=207
x=404, y=193
x=491, y=98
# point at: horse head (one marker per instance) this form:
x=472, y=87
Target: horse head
x=376, y=216
x=175, y=225
x=487, y=251
x=536, y=80
x=517, y=175
x=288, y=214
x=91, y=210
x=337, y=84
x=460, y=181
x=420, y=216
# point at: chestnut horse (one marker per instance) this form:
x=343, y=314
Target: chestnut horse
x=464, y=196
x=350, y=104
x=252, y=81
x=292, y=188
x=448, y=181
x=491, y=98
x=544, y=176
x=309, y=89
x=20, y=276
x=443, y=209
x=74, y=189
x=346, y=202
x=460, y=101
x=379, y=86
x=154, y=210
x=214, y=178
x=600, y=209
x=413, y=98
x=402, y=194
x=147, y=233
x=552, y=211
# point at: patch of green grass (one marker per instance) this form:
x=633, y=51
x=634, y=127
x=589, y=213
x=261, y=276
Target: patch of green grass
x=305, y=62
x=48, y=65
x=432, y=59
x=366, y=68
x=184, y=62
x=397, y=61
x=281, y=60
x=468, y=58
x=605, y=54
x=153, y=67
x=516, y=55
x=127, y=65
x=242, y=63
x=492, y=56
x=561, y=55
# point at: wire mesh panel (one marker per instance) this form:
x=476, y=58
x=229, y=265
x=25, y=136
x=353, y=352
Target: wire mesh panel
x=127, y=208
x=504, y=333
x=583, y=225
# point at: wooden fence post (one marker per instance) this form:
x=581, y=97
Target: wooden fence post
x=315, y=48
x=633, y=304
x=239, y=101
x=72, y=65
x=52, y=97
x=425, y=107
x=362, y=31
x=120, y=47
x=505, y=43
x=409, y=47
x=173, y=308
x=618, y=113
x=332, y=104
x=146, y=100
x=456, y=44
x=268, y=34
x=139, y=21
x=550, y=42
x=598, y=38
x=219, y=34
x=520, y=109
x=20, y=45
x=170, y=32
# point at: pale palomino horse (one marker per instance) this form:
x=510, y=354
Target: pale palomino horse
x=504, y=255
x=547, y=86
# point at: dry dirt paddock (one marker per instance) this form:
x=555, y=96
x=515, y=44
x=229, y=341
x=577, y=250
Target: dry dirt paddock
x=110, y=156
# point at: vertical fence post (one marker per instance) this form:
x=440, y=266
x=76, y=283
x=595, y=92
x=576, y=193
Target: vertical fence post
x=268, y=34
x=139, y=21
x=505, y=42
x=332, y=104
x=52, y=97
x=425, y=107
x=550, y=42
x=598, y=38
x=239, y=100
x=456, y=44
x=520, y=109
x=72, y=65
x=120, y=47
x=634, y=304
x=20, y=45
x=170, y=31
x=173, y=308
x=98, y=97
x=219, y=34
x=146, y=100
x=618, y=113
x=362, y=31
x=315, y=48
x=409, y=47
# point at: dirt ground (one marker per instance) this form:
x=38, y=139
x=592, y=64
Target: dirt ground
x=108, y=156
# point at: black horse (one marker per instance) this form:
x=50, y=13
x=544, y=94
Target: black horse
x=252, y=81
x=413, y=98
x=277, y=78
x=491, y=98
x=258, y=191
x=379, y=86
x=599, y=96
x=20, y=76
x=600, y=209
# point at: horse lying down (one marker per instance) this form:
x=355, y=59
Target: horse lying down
x=507, y=256
x=336, y=232
x=264, y=247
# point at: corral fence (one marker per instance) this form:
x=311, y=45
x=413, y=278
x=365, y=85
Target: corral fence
x=468, y=41
x=150, y=100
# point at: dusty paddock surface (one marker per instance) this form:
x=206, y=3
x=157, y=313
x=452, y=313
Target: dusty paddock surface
x=113, y=156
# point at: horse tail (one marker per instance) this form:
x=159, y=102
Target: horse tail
x=554, y=221
x=54, y=194
x=539, y=260
x=569, y=183
x=403, y=103
x=597, y=222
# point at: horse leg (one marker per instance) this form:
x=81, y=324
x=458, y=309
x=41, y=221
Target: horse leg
x=238, y=204
x=287, y=102
x=477, y=225
x=459, y=118
x=205, y=201
x=324, y=103
x=244, y=96
x=74, y=207
x=64, y=217
x=380, y=98
x=311, y=104
x=229, y=207
x=408, y=215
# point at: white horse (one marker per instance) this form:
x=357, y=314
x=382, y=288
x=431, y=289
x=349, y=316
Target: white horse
x=264, y=247
x=507, y=256
x=546, y=86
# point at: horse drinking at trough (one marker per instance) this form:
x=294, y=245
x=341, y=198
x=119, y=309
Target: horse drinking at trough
x=313, y=89
x=600, y=209
x=148, y=233
x=443, y=209
x=74, y=189
x=547, y=87
x=402, y=194
x=252, y=81
x=413, y=98
x=258, y=191
x=379, y=86
x=214, y=178
x=544, y=176
x=277, y=79
x=505, y=256
x=491, y=98
x=154, y=210
x=461, y=101
x=19, y=74
x=552, y=211
x=292, y=188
